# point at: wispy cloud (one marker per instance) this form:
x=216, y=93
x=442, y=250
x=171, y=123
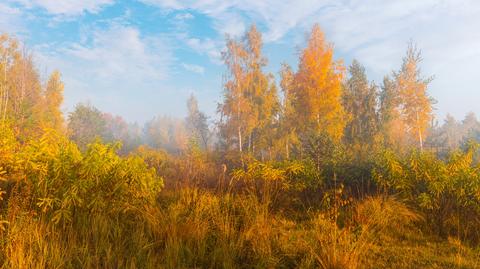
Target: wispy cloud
x=184, y=16
x=375, y=32
x=116, y=61
x=130, y=51
x=122, y=52
x=231, y=16
x=193, y=68
x=206, y=46
x=10, y=18
x=66, y=7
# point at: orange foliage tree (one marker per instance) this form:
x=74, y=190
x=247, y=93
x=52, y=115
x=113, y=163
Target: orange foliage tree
x=318, y=88
x=416, y=104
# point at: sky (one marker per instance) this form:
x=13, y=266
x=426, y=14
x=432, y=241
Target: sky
x=142, y=58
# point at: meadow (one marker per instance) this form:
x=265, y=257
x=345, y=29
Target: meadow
x=337, y=173
x=62, y=208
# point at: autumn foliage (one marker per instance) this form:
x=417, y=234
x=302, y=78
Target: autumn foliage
x=324, y=170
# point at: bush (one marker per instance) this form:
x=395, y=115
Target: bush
x=72, y=209
x=447, y=192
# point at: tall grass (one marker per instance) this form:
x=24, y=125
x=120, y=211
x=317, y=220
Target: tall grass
x=63, y=208
x=192, y=228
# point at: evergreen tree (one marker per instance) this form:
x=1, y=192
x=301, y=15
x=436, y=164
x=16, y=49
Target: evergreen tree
x=196, y=123
x=451, y=133
x=470, y=128
x=391, y=126
x=360, y=102
x=470, y=124
x=85, y=124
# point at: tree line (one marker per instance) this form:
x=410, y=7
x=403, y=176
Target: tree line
x=322, y=97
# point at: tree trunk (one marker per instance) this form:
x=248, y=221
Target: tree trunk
x=5, y=105
x=420, y=138
x=287, y=149
x=239, y=139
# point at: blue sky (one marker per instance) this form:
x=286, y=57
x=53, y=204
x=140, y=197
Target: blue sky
x=141, y=58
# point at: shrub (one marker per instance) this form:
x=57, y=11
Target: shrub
x=77, y=210
x=447, y=192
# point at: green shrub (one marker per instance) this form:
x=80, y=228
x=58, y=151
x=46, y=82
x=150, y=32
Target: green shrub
x=447, y=192
x=77, y=210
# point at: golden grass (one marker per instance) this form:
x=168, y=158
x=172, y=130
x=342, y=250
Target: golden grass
x=192, y=228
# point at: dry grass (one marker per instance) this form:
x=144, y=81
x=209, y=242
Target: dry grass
x=192, y=228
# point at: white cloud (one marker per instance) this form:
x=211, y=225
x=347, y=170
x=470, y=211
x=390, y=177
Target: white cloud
x=225, y=21
x=122, y=52
x=205, y=46
x=351, y=24
x=230, y=23
x=10, y=19
x=67, y=7
x=118, y=61
x=193, y=68
x=231, y=16
x=374, y=31
x=184, y=16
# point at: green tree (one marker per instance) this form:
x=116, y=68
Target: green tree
x=360, y=102
x=391, y=126
x=196, y=123
x=85, y=124
x=470, y=124
x=451, y=133
x=117, y=129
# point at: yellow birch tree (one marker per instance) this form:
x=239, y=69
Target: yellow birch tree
x=318, y=88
